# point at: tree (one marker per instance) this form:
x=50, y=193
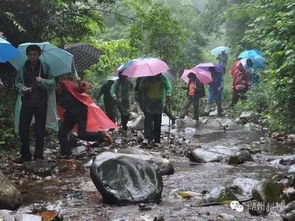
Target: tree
x=43, y=20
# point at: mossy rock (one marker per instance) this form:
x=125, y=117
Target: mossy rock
x=268, y=191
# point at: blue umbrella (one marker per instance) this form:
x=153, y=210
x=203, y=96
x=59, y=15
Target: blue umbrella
x=7, y=51
x=258, y=61
x=250, y=53
x=59, y=61
x=217, y=51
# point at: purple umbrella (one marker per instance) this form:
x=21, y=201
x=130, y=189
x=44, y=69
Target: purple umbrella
x=206, y=66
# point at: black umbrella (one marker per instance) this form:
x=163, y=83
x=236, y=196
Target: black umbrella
x=85, y=55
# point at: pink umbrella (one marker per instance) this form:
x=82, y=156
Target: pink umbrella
x=145, y=67
x=202, y=75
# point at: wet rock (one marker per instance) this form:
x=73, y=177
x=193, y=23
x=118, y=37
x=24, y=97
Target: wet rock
x=80, y=151
x=220, y=194
x=27, y=217
x=9, y=195
x=241, y=158
x=7, y=215
x=41, y=167
x=246, y=116
x=291, y=169
x=279, y=136
x=123, y=179
x=291, y=138
x=286, y=161
x=190, y=130
x=163, y=165
x=138, y=123
x=289, y=194
x=267, y=191
x=252, y=127
x=216, y=154
x=288, y=213
x=226, y=217
x=244, y=186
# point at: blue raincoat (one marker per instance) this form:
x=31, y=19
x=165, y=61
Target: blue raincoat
x=218, y=82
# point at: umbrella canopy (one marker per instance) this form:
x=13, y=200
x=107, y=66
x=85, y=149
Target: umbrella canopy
x=258, y=61
x=59, y=61
x=203, y=75
x=144, y=67
x=7, y=51
x=217, y=51
x=206, y=66
x=85, y=55
x=250, y=53
x=123, y=67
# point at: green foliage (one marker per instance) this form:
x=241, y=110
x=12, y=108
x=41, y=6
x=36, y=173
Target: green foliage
x=7, y=135
x=155, y=32
x=114, y=54
x=42, y=20
x=273, y=31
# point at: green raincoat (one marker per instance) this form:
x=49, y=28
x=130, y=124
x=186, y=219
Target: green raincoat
x=153, y=93
x=120, y=92
x=49, y=85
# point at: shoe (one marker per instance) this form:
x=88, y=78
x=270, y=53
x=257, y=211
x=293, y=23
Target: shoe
x=22, y=159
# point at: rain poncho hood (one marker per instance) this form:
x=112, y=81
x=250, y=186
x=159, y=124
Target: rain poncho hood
x=96, y=119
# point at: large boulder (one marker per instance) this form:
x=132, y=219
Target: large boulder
x=164, y=165
x=244, y=186
x=9, y=195
x=216, y=154
x=220, y=194
x=123, y=179
x=239, y=158
x=246, y=116
x=268, y=191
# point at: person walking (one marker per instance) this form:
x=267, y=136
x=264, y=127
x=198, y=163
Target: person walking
x=120, y=92
x=215, y=91
x=154, y=92
x=108, y=101
x=241, y=81
x=36, y=99
x=222, y=58
x=195, y=90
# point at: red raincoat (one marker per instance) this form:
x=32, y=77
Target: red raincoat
x=241, y=77
x=97, y=120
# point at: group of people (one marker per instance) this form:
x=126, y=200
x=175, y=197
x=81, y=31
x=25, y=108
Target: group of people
x=43, y=99
x=41, y=95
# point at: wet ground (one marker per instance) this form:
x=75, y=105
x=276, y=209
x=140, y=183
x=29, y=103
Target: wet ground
x=73, y=195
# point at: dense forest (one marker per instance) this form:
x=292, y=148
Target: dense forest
x=182, y=33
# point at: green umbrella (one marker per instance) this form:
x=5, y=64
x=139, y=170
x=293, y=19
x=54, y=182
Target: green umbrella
x=59, y=61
